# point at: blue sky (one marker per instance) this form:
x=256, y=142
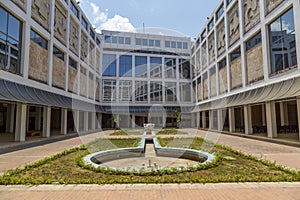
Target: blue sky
x=186, y=17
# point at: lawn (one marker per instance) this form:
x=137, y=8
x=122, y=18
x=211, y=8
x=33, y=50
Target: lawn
x=171, y=132
x=127, y=132
x=233, y=167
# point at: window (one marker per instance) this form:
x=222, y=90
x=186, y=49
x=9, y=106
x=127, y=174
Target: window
x=151, y=43
x=141, y=91
x=203, y=35
x=185, y=92
x=211, y=25
x=179, y=45
x=156, y=92
x=145, y=42
x=253, y=42
x=125, y=91
x=173, y=44
x=38, y=39
x=185, y=45
x=74, y=9
x=128, y=40
x=220, y=12
x=282, y=32
x=222, y=64
x=157, y=43
x=98, y=41
x=72, y=63
x=115, y=40
x=92, y=33
x=84, y=23
x=141, y=66
x=167, y=44
x=107, y=38
x=170, y=92
x=155, y=67
x=138, y=41
x=125, y=66
x=58, y=53
x=228, y=2
x=10, y=42
x=184, y=69
x=121, y=40
x=83, y=71
x=109, y=65
x=235, y=55
x=109, y=90
x=170, y=67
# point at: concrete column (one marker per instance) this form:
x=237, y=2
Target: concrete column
x=132, y=121
x=198, y=119
x=298, y=113
x=20, y=134
x=99, y=120
x=204, y=120
x=248, y=120
x=10, y=120
x=94, y=121
x=193, y=123
x=86, y=121
x=220, y=120
x=38, y=118
x=283, y=114
x=46, y=121
x=231, y=120
x=271, y=119
x=264, y=123
x=64, y=121
x=211, y=119
x=164, y=120
x=76, y=120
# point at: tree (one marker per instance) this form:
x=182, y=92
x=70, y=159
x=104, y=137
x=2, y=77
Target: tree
x=178, y=116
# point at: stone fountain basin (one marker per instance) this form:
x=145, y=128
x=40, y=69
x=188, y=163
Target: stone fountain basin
x=98, y=160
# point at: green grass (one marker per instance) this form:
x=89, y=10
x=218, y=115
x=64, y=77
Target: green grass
x=63, y=168
x=171, y=132
x=126, y=132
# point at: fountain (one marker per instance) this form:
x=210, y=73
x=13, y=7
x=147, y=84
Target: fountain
x=151, y=152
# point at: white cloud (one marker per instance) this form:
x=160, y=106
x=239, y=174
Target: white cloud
x=117, y=23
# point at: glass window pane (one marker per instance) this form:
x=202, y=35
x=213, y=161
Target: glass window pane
x=13, y=27
x=141, y=66
x=3, y=17
x=156, y=67
x=125, y=66
x=109, y=65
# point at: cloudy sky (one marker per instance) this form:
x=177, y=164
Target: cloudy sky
x=184, y=16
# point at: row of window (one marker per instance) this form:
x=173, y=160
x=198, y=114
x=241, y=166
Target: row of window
x=126, y=66
x=176, y=45
x=147, y=42
x=144, y=91
x=282, y=43
x=117, y=39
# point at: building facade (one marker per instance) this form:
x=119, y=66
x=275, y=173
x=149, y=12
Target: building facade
x=246, y=74
x=59, y=76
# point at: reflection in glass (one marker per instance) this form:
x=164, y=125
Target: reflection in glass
x=141, y=91
x=156, y=94
x=184, y=69
x=125, y=66
x=109, y=90
x=170, y=92
x=10, y=37
x=170, y=67
x=282, y=42
x=185, y=92
x=125, y=91
x=141, y=66
x=109, y=65
x=155, y=67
